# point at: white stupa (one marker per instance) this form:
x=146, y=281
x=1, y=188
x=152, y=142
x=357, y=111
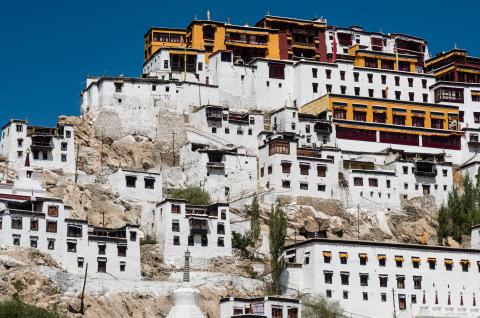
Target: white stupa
x=186, y=298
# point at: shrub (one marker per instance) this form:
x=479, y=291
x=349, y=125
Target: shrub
x=192, y=194
x=241, y=242
x=15, y=308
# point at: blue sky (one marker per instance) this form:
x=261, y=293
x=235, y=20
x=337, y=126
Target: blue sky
x=49, y=47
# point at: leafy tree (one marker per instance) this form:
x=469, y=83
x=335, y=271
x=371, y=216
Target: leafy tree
x=241, y=242
x=254, y=220
x=318, y=306
x=15, y=308
x=278, y=231
x=443, y=225
x=192, y=194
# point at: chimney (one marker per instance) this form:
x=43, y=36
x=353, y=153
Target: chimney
x=208, y=15
x=475, y=237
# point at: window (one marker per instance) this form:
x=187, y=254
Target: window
x=384, y=79
x=343, y=89
x=445, y=172
x=51, y=244
x=448, y=264
x=63, y=157
x=399, y=120
x=200, y=66
x=342, y=75
x=122, y=250
x=449, y=94
x=175, y=208
x=416, y=262
x=276, y=70
x=411, y=96
x=118, y=87
x=358, y=181
x=402, y=302
x=398, y=94
x=345, y=294
x=383, y=297
x=52, y=226
x=365, y=295
x=226, y=56
x=314, y=72
x=220, y=228
x=370, y=92
x=191, y=241
x=176, y=240
x=359, y=116
x=343, y=257
x=363, y=279
x=328, y=74
x=74, y=230
x=285, y=184
x=71, y=246
x=45, y=155
x=363, y=258
x=64, y=146
x=102, y=248
x=344, y=278
x=80, y=262
x=465, y=263
x=35, y=154
x=327, y=275
x=223, y=215
x=327, y=257
x=425, y=98
x=16, y=239
x=383, y=280
x=19, y=128
x=400, y=282
x=269, y=169
x=382, y=260
x=204, y=240
x=339, y=113
x=328, y=293
x=370, y=77
x=277, y=312
x=356, y=76
x=123, y=265
x=397, y=80
x=33, y=241
x=357, y=91
x=149, y=183
x=220, y=242
x=432, y=262
x=214, y=130
x=175, y=226
x=52, y=211
x=17, y=223
x=373, y=182
x=227, y=130
x=424, y=83
x=102, y=265
x=417, y=282
x=315, y=87
x=304, y=168
x=399, y=261
x=130, y=181
x=303, y=186
x=165, y=63
x=321, y=171
x=384, y=93
x=414, y=299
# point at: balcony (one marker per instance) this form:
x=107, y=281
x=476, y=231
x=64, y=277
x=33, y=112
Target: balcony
x=322, y=128
x=198, y=225
x=425, y=169
x=215, y=165
x=214, y=114
x=308, y=152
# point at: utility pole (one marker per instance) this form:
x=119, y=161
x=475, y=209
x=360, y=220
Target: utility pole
x=173, y=147
x=394, y=309
x=358, y=221
x=103, y=218
x=101, y=155
x=83, y=290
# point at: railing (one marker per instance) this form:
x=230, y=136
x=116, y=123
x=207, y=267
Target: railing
x=215, y=165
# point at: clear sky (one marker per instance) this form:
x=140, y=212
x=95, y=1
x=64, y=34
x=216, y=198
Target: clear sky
x=48, y=47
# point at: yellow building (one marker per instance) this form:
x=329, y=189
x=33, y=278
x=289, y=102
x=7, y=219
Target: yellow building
x=245, y=42
x=156, y=38
x=397, y=122
x=384, y=60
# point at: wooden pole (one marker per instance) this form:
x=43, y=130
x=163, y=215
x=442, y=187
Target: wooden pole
x=83, y=290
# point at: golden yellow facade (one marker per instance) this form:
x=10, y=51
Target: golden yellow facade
x=350, y=104
x=157, y=38
x=361, y=56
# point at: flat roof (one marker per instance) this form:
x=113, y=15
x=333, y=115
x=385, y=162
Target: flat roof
x=381, y=244
x=257, y=299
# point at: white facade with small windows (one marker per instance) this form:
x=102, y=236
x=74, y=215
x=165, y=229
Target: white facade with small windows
x=226, y=174
x=46, y=147
x=265, y=307
x=376, y=279
x=219, y=126
x=43, y=223
x=285, y=168
x=203, y=230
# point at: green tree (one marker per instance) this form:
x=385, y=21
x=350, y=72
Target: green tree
x=192, y=194
x=318, y=306
x=278, y=231
x=15, y=308
x=443, y=227
x=255, y=220
x=241, y=242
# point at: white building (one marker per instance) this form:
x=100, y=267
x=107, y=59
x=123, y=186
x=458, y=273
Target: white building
x=29, y=219
x=203, y=230
x=219, y=126
x=226, y=174
x=264, y=307
x=376, y=279
x=287, y=169
x=47, y=147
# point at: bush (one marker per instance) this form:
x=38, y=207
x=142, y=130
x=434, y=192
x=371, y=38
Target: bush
x=148, y=240
x=15, y=308
x=241, y=242
x=318, y=306
x=192, y=194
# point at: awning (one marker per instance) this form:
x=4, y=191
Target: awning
x=475, y=93
x=465, y=261
x=327, y=253
x=363, y=274
x=305, y=164
x=399, y=258
x=417, y=278
x=382, y=257
x=432, y=259
x=415, y=259
x=448, y=261
x=437, y=116
x=343, y=254
x=363, y=255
